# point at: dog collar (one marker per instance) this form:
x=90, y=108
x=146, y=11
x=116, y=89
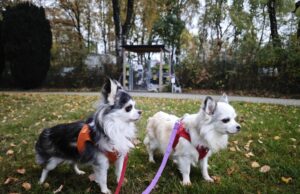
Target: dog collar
x=84, y=136
x=181, y=132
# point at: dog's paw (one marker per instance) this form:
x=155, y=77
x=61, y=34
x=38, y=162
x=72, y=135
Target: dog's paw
x=41, y=181
x=185, y=183
x=80, y=172
x=152, y=161
x=106, y=191
x=209, y=179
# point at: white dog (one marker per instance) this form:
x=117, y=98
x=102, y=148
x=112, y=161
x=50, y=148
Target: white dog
x=201, y=134
x=177, y=89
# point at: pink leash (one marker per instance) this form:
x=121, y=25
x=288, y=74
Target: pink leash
x=165, y=159
x=122, y=175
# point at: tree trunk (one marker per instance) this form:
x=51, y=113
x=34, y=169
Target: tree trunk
x=121, y=31
x=273, y=23
x=128, y=22
x=118, y=28
x=103, y=24
x=89, y=27
x=263, y=28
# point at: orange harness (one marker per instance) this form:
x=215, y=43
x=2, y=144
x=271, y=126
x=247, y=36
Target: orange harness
x=84, y=136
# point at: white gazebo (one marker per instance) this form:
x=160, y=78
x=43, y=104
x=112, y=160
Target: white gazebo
x=142, y=50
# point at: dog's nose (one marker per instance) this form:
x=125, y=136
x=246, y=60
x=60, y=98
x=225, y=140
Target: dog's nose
x=238, y=128
x=140, y=112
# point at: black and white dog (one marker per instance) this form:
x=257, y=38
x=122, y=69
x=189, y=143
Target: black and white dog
x=107, y=137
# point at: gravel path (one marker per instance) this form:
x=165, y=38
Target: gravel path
x=293, y=102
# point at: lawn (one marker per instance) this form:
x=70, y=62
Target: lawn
x=270, y=136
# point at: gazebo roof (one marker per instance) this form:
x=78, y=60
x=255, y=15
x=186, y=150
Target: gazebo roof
x=145, y=48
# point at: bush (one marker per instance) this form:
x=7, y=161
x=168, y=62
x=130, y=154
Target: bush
x=28, y=41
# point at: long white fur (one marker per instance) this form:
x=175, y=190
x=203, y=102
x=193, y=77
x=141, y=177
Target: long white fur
x=205, y=129
x=120, y=128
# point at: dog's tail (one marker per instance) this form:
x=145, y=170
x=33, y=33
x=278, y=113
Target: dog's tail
x=41, y=147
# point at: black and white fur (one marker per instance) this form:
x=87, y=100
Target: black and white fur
x=112, y=128
x=209, y=127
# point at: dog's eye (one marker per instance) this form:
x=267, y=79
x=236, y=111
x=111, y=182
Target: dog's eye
x=128, y=108
x=225, y=120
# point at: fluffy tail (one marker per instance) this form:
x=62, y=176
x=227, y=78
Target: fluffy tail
x=41, y=155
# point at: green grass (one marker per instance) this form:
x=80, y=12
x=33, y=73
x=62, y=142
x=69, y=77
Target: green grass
x=22, y=116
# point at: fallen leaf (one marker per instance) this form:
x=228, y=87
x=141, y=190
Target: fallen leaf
x=259, y=141
x=255, y=164
x=217, y=179
x=9, y=152
x=12, y=145
x=24, y=142
x=276, y=138
x=293, y=139
x=286, y=180
x=46, y=185
x=247, y=146
x=59, y=189
x=230, y=170
x=250, y=154
x=10, y=180
x=235, y=142
x=21, y=170
x=232, y=149
x=265, y=169
x=237, y=148
x=26, y=186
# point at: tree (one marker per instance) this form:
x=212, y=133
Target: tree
x=73, y=9
x=28, y=41
x=122, y=28
x=273, y=23
x=170, y=28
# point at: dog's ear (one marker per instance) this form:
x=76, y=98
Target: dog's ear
x=109, y=91
x=120, y=87
x=209, y=105
x=224, y=98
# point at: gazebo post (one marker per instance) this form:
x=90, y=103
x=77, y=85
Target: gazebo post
x=160, y=71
